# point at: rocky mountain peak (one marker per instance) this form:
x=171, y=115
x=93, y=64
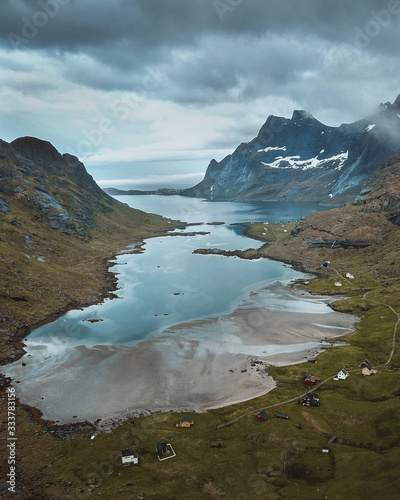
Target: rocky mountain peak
x=37, y=150
x=54, y=187
x=299, y=114
x=396, y=103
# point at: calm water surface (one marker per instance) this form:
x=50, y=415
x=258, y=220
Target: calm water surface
x=168, y=284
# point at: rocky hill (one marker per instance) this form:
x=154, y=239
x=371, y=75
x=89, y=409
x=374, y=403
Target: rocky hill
x=301, y=159
x=57, y=188
x=57, y=230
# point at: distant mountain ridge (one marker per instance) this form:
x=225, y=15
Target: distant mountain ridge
x=301, y=159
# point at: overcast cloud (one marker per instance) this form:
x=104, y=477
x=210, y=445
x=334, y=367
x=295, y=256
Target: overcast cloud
x=134, y=82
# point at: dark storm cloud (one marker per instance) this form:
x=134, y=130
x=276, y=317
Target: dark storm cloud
x=208, y=51
x=146, y=24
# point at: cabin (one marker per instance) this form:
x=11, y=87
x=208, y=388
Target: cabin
x=367, y=371
x=310, y=379
x=366, y=364
x=262, y=416
x=342, y=375
x=185, y=422
x=161, y=448
x=282, y=415
x=310, y=400
x=367, y=368
x=129, y=457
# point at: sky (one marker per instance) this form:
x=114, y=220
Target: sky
x=147, y=92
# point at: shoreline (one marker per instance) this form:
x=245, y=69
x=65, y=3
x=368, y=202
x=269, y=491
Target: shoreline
x=188, y=372
x=108, y=292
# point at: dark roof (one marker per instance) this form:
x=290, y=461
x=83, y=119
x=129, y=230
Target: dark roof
x=161, y=446
x=282, y=415
x=367, y=364
x=187, y=419
x=262, y=414
x=127, y=453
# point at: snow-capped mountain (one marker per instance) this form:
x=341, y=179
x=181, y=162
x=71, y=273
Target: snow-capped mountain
x=301, y=159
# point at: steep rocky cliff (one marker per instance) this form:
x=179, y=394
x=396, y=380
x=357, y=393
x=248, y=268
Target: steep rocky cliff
x=54, y=187
x=304, y=160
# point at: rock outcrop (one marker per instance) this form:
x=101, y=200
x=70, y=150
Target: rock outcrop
x=53, y=186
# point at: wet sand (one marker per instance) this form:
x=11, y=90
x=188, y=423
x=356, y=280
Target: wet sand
x=191, y=366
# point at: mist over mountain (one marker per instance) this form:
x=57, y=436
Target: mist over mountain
x=301, y=159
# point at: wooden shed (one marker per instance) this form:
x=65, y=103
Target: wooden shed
x=262, y=416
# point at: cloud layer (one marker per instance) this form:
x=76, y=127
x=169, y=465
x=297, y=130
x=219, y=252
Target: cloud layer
x=128, y=75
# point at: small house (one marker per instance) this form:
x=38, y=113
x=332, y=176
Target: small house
x=366, y=371
x=367, y=368
x=310, y=400
x=310, y=379
x=282, y=415
x=185, y=422
x=342, y=375
x=262, y=416
x=129, y=457
x=161, y=448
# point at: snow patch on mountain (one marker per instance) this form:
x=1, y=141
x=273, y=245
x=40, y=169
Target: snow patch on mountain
x=296, y=163
x=272, y=148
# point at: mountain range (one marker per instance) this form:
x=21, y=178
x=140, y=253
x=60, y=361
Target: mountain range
x=301, y=159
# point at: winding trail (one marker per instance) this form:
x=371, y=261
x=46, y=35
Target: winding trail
x=227, y=424
x=394, y=329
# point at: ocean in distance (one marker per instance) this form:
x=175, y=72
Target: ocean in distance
x=177, y=311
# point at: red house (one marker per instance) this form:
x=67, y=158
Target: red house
x=262, y=416
x=310, y=379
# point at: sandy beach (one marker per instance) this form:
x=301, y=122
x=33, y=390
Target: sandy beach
x=190, y=366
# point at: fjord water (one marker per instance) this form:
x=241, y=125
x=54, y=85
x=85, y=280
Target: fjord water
x=177, y=313
x=168, y=284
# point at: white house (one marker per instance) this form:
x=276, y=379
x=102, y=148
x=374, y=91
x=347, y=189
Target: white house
x=129, y=457
x=342, y=375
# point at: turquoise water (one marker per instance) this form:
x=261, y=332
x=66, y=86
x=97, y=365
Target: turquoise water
x=168, y=284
